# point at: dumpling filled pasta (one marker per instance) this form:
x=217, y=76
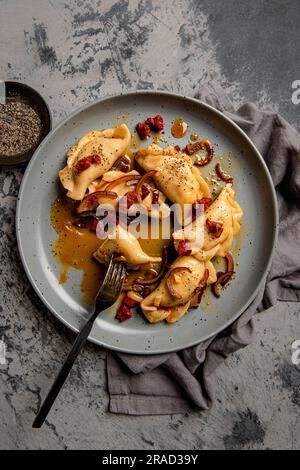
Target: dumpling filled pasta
x=117, y=181
x=212, y=233
x=172, y=298
x=136, y=204
x=94, y=155
x=222, y=222
x=175, y=175
x=124, y=243
x=109, y=189
x=115, y=186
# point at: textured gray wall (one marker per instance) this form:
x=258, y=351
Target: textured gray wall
x=74, y=52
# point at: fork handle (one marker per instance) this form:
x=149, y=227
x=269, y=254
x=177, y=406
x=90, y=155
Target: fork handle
x=64, y=372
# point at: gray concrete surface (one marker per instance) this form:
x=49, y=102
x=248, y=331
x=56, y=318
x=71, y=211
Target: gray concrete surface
x=74, y=52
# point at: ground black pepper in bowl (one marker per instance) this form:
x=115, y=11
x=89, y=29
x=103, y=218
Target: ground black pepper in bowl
x=20, y=128
x=24, y=121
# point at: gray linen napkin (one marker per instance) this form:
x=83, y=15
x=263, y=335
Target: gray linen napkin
x=179, y=382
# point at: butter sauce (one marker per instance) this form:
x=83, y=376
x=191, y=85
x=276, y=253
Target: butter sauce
x=179, y=128
x=74, y=248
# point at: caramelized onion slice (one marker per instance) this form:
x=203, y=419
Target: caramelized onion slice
x=223, y=279
x=209, y=154
x=102, y=185
x=92, y=201
x=151, y=274
x=148, y=282
x=222, y=175
x=133, y=181
x=230, y=261
x=87, y=214
x=202, y=285
x=124, y=179
x=191, y=149
x=120, y=259
x=143, y=179
x=170, y=279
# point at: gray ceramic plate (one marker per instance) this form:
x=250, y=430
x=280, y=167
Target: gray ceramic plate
x=254, y=192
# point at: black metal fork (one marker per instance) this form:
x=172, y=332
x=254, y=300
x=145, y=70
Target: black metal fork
x=108, y=294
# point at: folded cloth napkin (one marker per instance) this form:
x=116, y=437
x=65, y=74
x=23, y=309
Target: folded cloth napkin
x=182, y=381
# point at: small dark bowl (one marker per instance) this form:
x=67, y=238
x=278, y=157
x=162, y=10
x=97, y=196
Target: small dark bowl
x=24, y=93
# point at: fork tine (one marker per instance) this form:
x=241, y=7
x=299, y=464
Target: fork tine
x=120, y=279
x=115, y=275
x=113, y=279
x=109, y=271
x=107, y=278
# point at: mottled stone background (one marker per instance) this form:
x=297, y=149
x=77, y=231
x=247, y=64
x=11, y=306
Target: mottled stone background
x=72, y=52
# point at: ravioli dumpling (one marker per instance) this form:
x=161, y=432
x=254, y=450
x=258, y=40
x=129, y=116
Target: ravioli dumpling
x=94, y=155
x=204, y=242
x=122, y=183
x=124, y=243
x=113, y=180
x=228, y=213
x=175, y=175
x=161, y=305
x=212, y=277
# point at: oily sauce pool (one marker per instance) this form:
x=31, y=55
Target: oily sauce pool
x=74, y=248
